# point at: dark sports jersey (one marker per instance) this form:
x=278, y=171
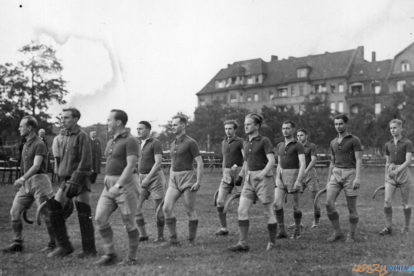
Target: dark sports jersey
x=146, y=159
x=117, y=150
x=310, y=150
x=183, y=151
x=289, y=154
x=232, y=151
x=34, y=146
x=397, y=152
x=343, y=154
x=255, y=151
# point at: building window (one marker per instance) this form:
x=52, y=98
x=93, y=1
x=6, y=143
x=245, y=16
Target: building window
x=405, y=66
x=357, y=89
x=282, y=92
x=241, y=97
x=341, y=88
x=251, y=80
x=320, y=88
x=377, y=88
x=256, y=97
x=400, y=85
x=202, y=101
x=355, y=109
x=249, y=98
x=295, y=91
x=377, y=108
x=341, y=107
x=271, y=95
x=333, y=107
x=302, y=72
x=233, y=98
x=233, y=80
x=333, y=87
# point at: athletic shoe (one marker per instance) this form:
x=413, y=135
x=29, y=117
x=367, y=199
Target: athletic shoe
x=13, y=248
x=222, y=232
x=385, y=231
x=239, y=247
x=270, y=246
x=281, y=235
x=48, y=248
x=314, y=225
x=128, y=261
x=159, y=240
x=107, y=259
x=60, y=252
x=142, y=239
x=335, y=237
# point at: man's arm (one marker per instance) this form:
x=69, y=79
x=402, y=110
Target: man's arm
x=128, y=170
x=311, y=164
x=358, y=159
x=404, y=165
x=155, y=168
x=269, y=166
x=302, y=166
x=33, y=169
x=85, y=163
x=200, y=168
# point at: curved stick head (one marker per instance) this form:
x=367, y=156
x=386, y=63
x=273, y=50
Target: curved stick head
x=39, y=211
x=158, y=213
x=215, y=197
x=377, y=190
x=229, y=201
x=321, y=192
x=25, y=218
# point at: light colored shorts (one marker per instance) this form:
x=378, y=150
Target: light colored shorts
x=403, y=178
x=342, y=179
x=264, y=190
x=156, y=185
x=287, y=179
x=229, y=176
x=311, y=181
x=181, y=181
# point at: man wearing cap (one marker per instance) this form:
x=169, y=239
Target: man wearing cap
x=151, y=178
x=120, y=189
x=259, y=181
x=96, y=156
x=344, y=174
x=289, y=174
x=398, y=153
x=33, y=185
x=184, y=150
x=74, y=172
x=232, y=151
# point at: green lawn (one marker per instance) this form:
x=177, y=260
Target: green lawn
x=310, y=255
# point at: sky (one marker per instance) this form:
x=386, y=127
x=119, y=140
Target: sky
x=150, y=58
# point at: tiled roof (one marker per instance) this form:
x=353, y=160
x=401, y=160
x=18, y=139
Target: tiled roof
x=279, y=72
x=370, y=70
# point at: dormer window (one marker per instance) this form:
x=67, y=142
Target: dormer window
x=302, y=72
x=405, y=66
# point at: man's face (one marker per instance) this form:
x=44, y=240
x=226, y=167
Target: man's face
x=249, y=126
x=395, y=129
x=23, y=128
x=229, y=130
x=142, y=131
x=112, y=123
x=340, y=125
x=68, y=120
x=92, y=135
x=177, y=127
x=287, y=130
x=302, y=137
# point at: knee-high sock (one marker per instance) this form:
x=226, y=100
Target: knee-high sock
x=222, y=217
x=172, y=227
x=244, y=230
x=108, y=236
x=272, y=228
x=141, y=227
x=280, y=218
x=388, y=216
x=334, y=218
x=297, y=215
x=192, y=229
x=58, y=224
x=407, y=215
x=133, y=238
x=353, y=222
x=160, y=227
x=86, y=227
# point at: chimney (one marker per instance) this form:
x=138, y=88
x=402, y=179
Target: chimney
x=274, y=58
x=228, y=65
x=373, y=56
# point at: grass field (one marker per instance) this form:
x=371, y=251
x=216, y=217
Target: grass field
x=310, y=255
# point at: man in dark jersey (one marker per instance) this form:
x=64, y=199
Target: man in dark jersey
x=259, y=181
x=398, y=153
x=33, y=185
x=232, y=151
x=184, y=150
x=344, y=173
x=289, y=176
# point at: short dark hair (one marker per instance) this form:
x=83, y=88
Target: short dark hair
x=31, y=121
x=292, y=124
x=231, y=122
x=257, y=118
x=183, y=118
x=75, y=112
x=146, y=124
x=302, y=130
x=342, y=117
x=120, y=115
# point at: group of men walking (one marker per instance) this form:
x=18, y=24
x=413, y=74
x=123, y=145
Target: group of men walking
x=133, y=174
